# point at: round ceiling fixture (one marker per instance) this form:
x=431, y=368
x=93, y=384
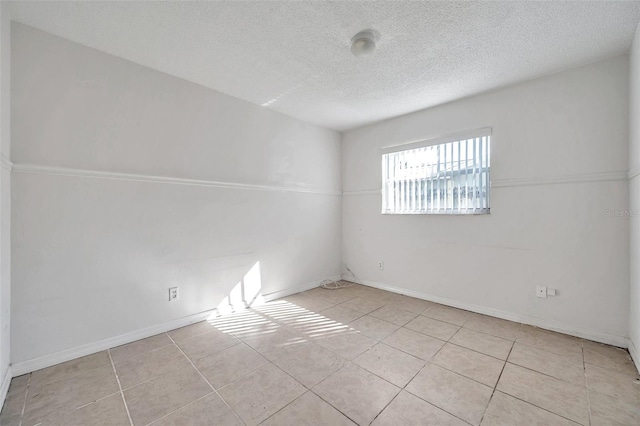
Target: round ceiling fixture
x=363, y=43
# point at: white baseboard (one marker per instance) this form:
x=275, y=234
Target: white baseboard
x=597, y=336
x=44, y=361
x=635, y=355
x=6, y=381
x=34, y=364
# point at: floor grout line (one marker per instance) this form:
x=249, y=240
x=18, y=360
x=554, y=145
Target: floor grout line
x=493, y=392
x=24, y=403
x=584, y=369
x=184, y=406
x=124, y=401
x=206, y=380
x=537, y=406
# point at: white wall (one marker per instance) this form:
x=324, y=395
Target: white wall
x=5, y=199
x=634, y=195
x=559, y=162
x=94, y=253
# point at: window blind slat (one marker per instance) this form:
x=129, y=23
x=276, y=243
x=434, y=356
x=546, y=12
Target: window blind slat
x=480, y=186
x=488, y=172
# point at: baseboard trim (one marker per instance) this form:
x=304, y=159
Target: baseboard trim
x=6, y=381
x=635, y=355
x=45, y=361
x=597, y=336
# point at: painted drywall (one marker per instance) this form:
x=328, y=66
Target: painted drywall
x=128, y=181
x=5, y=200
x=559, y=163
x=634, y=196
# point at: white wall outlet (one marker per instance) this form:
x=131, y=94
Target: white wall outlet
x=173, y=294
x=381, y=265
x=541, y=291
x=551, y=291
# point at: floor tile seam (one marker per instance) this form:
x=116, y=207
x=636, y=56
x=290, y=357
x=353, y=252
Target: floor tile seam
x=431, y=361
x=535, y=405
x=294, y=327
x=71, y=407
x=461, y=375
x=288, y=404
x=611, y=370
x=489, y=333
x=402, y=388
x=334, y=303
x=441, y=320
x=75, y=374
x=177, y=342
x=438, y=407
x=281, y=318
x=245, y=374
x=24, y=403
x=207, y=382
x=586, y=383
x=96, y=400
x=496, y=385
x=124, y=401
x=477, y=351
x=328, y=402
x=306, y=389
x=415, y=356
x=548, y=375
x=429, y=335
x=194, y=360
x=391, y=322
x=128, y=360
x=124, y=389
x=550, y=352
x=184, y=406
x=387, y=404
x=428, y=402
x=344, y=328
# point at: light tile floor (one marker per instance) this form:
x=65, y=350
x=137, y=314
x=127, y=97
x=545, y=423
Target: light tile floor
x=338, y=357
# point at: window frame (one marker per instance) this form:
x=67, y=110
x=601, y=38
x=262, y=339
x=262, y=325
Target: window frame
x=442, y=140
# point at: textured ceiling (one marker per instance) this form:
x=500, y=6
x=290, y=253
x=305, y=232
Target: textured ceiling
x=294, y=57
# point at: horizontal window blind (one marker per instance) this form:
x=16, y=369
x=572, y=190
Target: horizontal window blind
x=443, y=178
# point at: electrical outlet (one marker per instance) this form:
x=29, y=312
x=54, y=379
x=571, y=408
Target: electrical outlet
x=541, y=291
x=381, y=265
x=173, y=294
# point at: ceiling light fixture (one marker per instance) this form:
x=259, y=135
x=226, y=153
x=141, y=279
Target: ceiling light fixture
x=363, y=43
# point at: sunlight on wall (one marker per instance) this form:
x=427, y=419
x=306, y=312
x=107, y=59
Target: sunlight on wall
x=245, y=294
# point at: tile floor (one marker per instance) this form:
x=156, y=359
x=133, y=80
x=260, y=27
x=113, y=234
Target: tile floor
x=338, y=357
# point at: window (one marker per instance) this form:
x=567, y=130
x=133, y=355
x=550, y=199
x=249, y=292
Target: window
x=449, y=175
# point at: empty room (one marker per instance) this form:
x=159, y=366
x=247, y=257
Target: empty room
x=319, y=213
